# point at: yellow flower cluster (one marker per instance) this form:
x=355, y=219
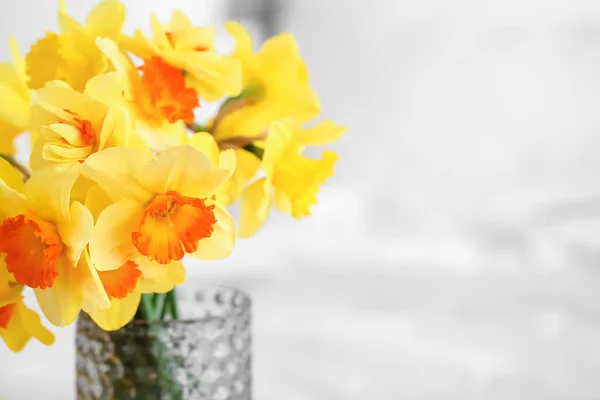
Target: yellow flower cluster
x=124, y=183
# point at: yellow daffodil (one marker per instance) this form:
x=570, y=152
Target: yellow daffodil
x=18, y=324
x=276, y=86
x=43, y=235
x=191, y=49
x=73, y=125
x=246, y=167
x=125, y=285
x=71, y=55
x=15, y=97
x=163, y=207
x=291, y=178
x=158, y=100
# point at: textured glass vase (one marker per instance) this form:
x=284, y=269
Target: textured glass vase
x=204, y=356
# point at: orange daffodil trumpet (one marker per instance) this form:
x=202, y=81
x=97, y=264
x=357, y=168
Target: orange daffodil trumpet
x=122, y=182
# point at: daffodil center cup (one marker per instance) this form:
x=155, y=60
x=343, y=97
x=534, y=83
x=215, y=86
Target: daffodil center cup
x=33, y=248
x=172, y=225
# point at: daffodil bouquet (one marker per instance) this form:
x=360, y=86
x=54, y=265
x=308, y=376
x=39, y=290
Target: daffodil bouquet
x=122, y=182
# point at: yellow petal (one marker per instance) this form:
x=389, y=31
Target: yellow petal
x=57, y=97
x=119, y=314
x=107, y=87
x=255, y=205
x=44, y=61
x=137, y=45
x=15, y=338
x=221, y=242
x=121, y=133
x=6, y=139
x=184, y=169
x=228, y=161
x=45, y=114
x=214, y=180
x=160, y=36
x=280, y=135
x=67, y=132
x=247, y=165
x=212, y=75
x=180, y=22
x=23, y=325
x=94, y=296
x=17, y=58
x=159, y=278
x=61, y=303
x=12, y=203
x=10, y=175
x=52, y=202
x=36, y=161
x=32, y=323
x=108, y=127
x=80, y=189
x=106, y=19
x=279, y=55
x=243, y=41
x=161, y=135
x=16, y=109
x=116, y=170
x=196, y=37
x=67, y=24
x=97, y=200
x=283, y=202
x=64, y=153
x=246, y=168
x=77, y=232
x=9, y=292
x=111, y=246
x=325, y=132
x=120, y=62
x=206, y=142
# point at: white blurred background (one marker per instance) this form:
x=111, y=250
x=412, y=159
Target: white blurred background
x=456, y=253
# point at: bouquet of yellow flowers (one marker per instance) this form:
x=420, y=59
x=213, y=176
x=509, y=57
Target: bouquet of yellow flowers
x=122, y=183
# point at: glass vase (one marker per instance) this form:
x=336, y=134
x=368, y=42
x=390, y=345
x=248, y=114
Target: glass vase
x=206, y=355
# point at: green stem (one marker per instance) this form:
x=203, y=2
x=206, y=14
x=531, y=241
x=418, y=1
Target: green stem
x=160, y=306
x=147, y=308
x=196, y=127
x=166, y=306
x=173, y=304
x=257, y=151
